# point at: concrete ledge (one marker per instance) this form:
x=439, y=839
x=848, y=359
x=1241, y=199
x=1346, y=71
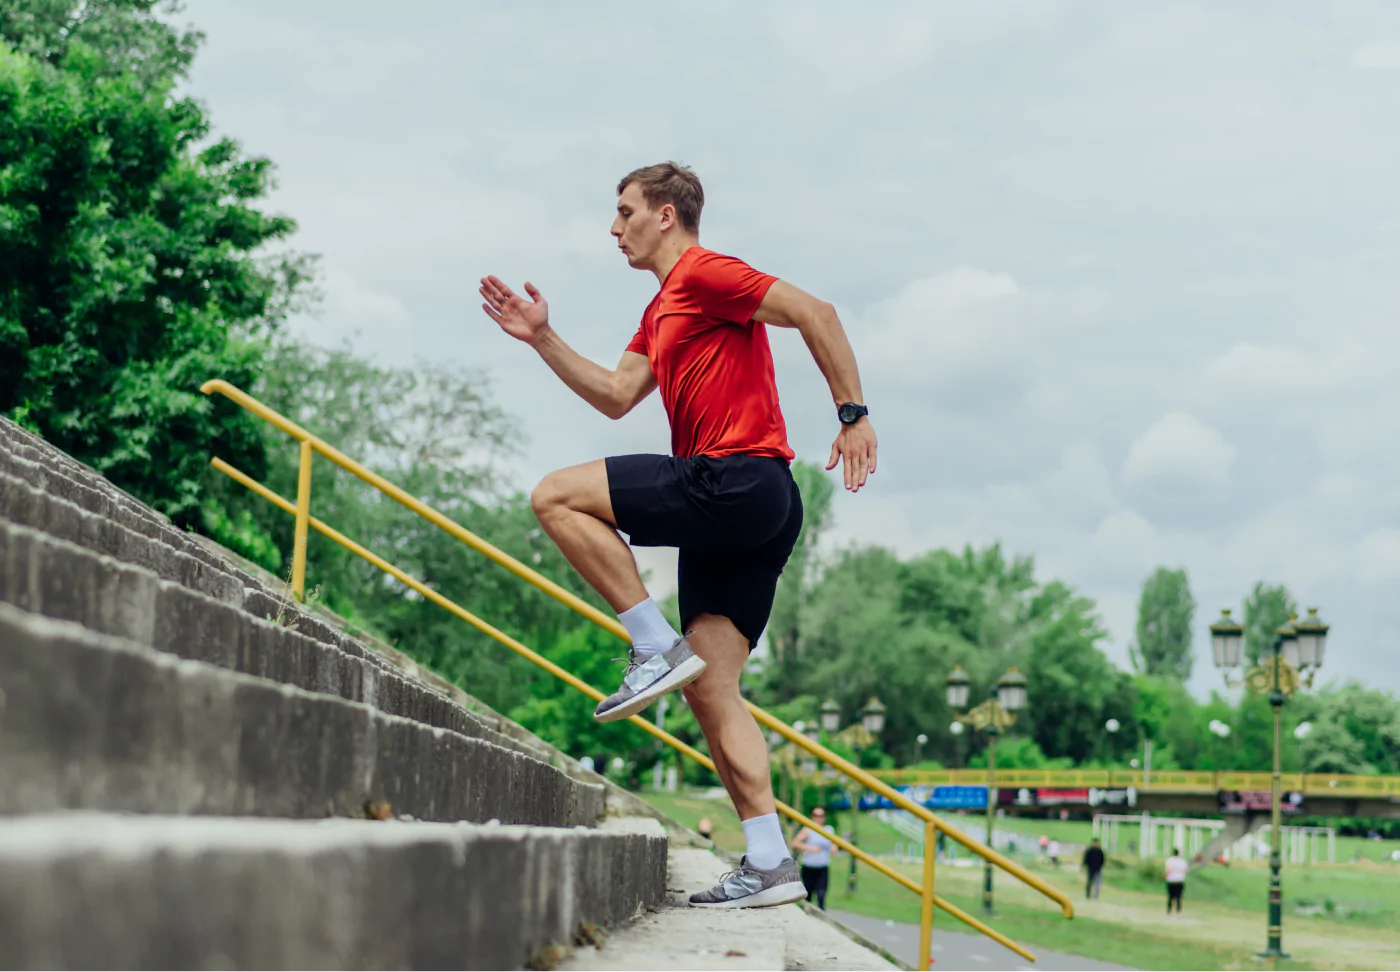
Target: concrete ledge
x=44, y=489
x=61, y=580
x=25, y=505
x=96, y=891
x=92, y=722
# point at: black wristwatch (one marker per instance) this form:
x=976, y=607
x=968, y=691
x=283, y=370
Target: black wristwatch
x=850, y=413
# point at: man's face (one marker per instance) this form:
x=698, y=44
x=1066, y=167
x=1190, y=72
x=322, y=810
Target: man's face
x=638, y=227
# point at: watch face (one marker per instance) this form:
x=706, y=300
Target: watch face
x=848, y=413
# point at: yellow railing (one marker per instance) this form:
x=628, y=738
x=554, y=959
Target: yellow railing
x=301, y=510
x=1162, y=781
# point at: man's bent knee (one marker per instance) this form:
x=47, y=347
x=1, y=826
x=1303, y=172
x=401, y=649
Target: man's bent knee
x=548, y=496
x=708, y=695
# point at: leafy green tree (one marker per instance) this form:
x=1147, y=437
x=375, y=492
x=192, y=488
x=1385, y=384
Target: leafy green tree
x=134, y=255
x=433, y=431
x=1265, y=611
x=1019, y=752
x=1072, y=687
x=1166, y=610
x=795, y=585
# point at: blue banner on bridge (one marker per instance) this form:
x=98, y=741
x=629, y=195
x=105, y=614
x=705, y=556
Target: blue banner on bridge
x=932, y=797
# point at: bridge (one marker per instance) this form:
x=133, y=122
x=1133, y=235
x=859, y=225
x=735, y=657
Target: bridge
x=1225, y=792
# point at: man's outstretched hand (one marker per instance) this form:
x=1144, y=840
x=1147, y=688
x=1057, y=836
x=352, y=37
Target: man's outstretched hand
x=524, y=320
x=856, y=444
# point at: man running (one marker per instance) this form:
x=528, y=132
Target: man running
x=725, y=496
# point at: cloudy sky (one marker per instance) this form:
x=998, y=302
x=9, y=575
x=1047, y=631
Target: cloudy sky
x=1122, y=279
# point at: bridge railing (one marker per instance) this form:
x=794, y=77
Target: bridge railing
x=1173, y=781
x=310, y=445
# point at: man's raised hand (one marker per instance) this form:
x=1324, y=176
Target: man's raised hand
x=524, y=320
x=856, y=445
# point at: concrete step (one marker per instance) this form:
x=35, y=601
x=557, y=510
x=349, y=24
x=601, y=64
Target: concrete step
x=50, y=471
x=88, y=721
x=675, y=936
x=111, y=523
x=62, y=580
x=104, y=891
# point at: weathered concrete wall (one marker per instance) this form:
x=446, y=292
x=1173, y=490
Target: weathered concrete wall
x=64, y=581
x=93, y=722
x=97, y=891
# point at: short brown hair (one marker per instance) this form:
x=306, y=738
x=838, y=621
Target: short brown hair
x=670, y=182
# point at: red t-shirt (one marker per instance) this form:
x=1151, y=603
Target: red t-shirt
x=711, y=358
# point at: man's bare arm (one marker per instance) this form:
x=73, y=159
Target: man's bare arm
x=786, y=306
x=614, y=393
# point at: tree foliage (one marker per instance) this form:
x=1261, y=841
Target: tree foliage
x=1265, y=611
x=1166, y=612
x=873, y=624
x=134, y=260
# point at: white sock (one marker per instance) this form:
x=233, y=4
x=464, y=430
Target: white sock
x=766, y=847
x=648, y=628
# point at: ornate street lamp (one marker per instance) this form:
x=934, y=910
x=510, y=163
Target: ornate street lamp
x=959, y=684
x=1011, y=690
x=873, y=716
x=1226, y=641
x=1294, y=658
x=1312, y=640
x=992, y=716
x=831, y=715
x=872, y=721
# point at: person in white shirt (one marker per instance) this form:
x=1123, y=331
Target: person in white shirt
x=1175, y=873
x=816, y=858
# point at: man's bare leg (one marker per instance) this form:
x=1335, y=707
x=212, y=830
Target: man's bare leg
x=574, y=507
x=736, y=743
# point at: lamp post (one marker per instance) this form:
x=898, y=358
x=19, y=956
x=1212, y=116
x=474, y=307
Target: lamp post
x=919, y=741
x=1294, y=658
x=858, y=736
x=997, y=713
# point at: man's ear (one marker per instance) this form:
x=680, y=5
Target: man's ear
x=668, y=216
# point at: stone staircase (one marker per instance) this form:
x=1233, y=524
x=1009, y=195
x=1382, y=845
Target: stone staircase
x=196, y=773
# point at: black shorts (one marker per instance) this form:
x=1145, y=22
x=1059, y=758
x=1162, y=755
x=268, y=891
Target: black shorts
x=735, y=520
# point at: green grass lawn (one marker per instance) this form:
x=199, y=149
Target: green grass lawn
x=1223, y=923
x=1343, y=916
x=1036, y=925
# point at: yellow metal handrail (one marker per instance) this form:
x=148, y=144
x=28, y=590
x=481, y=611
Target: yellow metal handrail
x=301, y=511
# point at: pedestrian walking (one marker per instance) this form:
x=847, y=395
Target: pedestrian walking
x=815, y=849
x=705, y=828
x=1053, y=850
x=1175, y=873
x=1093, y=869
x=725, y=496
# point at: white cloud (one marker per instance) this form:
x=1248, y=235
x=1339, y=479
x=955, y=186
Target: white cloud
x=381, y=322
x=1177, y=446
x=1125, y=542
x=1378, y=556
x=1381, y=55
x=938, y=325
x=1267, y=368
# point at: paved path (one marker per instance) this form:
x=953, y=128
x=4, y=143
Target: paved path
x=956, y=951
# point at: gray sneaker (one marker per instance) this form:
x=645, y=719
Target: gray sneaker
x=752, y=887
x=647, y=679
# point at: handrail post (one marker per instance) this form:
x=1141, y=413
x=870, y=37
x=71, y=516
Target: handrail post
x=926, y=914
x=303, y=519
